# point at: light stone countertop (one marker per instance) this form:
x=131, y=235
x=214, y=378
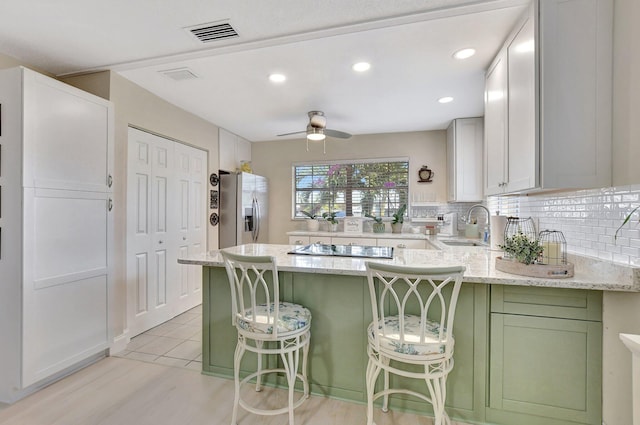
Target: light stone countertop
x=386, y=235
x=590, y=273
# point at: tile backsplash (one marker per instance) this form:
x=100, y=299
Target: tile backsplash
x=587, y=218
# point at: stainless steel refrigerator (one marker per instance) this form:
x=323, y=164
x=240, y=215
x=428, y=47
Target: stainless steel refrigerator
x=243, y=209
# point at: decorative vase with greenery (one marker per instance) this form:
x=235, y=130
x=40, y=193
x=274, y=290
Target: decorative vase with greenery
x=312, y=224
x=398, y=219
x=521, y=248
x=331, y=219
x=378, y=225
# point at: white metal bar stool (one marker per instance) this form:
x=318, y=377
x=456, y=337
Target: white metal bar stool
x=412, y=324
x=266, y=325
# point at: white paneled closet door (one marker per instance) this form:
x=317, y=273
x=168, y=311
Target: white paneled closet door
x=161, y=224
x=191, y=169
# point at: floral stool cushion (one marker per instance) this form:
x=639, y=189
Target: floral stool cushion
x=291, y=317
x=389, y=334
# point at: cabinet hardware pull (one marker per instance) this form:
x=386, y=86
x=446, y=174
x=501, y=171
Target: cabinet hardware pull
x=184, y=238
x=159, y=242
x=110, y=207
x=109, y=180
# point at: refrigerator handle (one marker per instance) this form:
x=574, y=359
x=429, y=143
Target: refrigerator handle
x=256, y=218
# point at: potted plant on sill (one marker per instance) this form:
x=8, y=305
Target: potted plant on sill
x=312, y=224
x=331, y=219
x=378, y=225
x=398, y=219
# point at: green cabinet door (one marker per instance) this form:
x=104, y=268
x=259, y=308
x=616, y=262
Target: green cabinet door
x=544, y=371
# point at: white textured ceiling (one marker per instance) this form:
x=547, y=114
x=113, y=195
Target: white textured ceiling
x=409, y=44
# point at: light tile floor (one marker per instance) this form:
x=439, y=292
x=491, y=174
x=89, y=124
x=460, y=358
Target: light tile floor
x=177, y=342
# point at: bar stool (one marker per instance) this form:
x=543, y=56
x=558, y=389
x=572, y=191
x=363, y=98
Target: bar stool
x=412, y=324
x=266, y=325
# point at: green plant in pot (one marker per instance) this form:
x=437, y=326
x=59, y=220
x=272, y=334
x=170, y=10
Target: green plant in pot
x=331, y=219
x=398, y=219
x=312, y=224
x=378, y=225
x=522, y=248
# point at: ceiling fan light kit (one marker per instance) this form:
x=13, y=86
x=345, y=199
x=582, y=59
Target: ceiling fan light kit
x=316, y=130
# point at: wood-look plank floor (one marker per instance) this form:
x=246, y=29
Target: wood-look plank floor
x=120, y=391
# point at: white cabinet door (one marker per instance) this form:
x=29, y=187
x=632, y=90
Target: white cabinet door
x=62, y=156
x=402, y=243
x=353, y=241
x=65, y=279
x=464, y=159
x=576, y=86
x=243, y=150
x=227, y=150
x=319, y=239
x=495, y=116
x=522, y=153
x=233, y=150
x=151, y=253
x=299, y=240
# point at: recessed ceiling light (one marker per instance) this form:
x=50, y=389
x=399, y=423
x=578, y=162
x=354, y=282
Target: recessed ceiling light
x=464, y=53
x=445, y=99
x=361, y=66
x=277, y=78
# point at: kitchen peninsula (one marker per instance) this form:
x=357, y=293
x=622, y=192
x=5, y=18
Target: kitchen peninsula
x=528, y=350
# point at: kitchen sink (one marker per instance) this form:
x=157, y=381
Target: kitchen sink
x=463, y=243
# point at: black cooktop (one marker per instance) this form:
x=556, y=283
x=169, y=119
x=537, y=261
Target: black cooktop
x=359, y=251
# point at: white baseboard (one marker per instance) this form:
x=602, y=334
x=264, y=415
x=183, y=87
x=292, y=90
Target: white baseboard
x=120, y=343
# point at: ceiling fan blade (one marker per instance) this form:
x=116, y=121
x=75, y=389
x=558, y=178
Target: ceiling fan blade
x=336, y=133
x=290, y=134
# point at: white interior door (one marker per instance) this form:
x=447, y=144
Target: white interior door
x=150, y=251
x=165, y=219
x=191, y=169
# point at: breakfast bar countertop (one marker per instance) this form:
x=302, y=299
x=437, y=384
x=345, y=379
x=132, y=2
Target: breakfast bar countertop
x=590, y=273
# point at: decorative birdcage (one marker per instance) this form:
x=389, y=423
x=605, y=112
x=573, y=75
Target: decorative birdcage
x=516, y=225
x=554, y=247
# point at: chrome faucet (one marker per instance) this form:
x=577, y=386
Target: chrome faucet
x=468, y=218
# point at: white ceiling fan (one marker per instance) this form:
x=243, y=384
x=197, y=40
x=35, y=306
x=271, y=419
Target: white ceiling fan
x=317, y=129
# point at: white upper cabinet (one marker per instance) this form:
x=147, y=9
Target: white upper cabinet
x=464, y=160
x=233, y=150
x=62, y=156
x=548, y=100
x=495, y=126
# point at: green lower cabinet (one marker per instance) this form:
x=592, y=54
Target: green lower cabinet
x=544, y=371
x=341, y=311
x=523, y=355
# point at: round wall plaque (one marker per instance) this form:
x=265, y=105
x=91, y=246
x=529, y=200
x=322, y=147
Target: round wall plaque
x=213, y=179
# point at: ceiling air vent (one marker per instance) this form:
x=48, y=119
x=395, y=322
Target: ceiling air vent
x=179, y=74
x=212, y=31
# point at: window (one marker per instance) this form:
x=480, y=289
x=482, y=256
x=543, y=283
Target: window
x=377, y=187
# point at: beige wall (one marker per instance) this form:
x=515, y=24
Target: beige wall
x=10, y=62
x=140, y=108
x=274, y=160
